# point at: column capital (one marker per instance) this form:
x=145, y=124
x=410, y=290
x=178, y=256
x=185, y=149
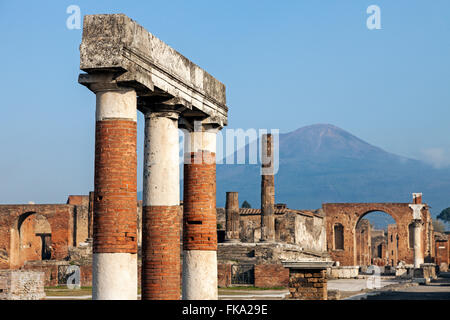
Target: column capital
x=102, y=81
x=195, y=124
x=161, y=106
x=417, y=208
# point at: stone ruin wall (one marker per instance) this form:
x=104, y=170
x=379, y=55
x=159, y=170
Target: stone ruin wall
x=304, y=228
x=21, y=285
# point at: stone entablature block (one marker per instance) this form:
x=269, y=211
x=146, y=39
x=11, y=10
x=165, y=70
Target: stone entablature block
x=115, y=43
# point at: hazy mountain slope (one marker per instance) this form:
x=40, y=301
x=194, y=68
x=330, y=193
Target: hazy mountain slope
x=323, y=163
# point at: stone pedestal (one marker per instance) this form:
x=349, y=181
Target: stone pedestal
x=308, y=280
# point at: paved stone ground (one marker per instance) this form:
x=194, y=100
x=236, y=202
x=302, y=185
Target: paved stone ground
x=438, y=289
x=228, y=295
x=354, y=285
x=350, y=289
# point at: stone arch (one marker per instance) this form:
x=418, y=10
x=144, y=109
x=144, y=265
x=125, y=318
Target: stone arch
x=30, y=238
x=349, y=214
x=370, y=252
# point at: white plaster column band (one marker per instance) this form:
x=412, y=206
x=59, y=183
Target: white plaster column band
x=161, y=160
x=117, y=103
x=201, y=141
x=199, y=275
x=114, y=276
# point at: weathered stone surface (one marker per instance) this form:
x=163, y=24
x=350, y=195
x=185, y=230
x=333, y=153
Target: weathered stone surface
x=21, y=285
x=114, y=42
x=342, y=272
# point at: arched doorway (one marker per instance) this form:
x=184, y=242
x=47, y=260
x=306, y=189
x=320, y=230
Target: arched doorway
x=349, y=214
x=32, y=239
x=372, y=239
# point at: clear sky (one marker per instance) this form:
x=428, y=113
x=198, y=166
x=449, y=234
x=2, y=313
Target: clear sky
x=286, y=64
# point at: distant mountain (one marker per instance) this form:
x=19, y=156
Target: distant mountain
x=323, y=163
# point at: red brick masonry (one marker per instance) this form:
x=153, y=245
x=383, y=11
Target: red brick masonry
x=348, y=215
x=199, y=205
x=161, y=253
x=115, y=207
x=308, y=284
x=271, y=275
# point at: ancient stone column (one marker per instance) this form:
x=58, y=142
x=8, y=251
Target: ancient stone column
x=417, y=207
x=418, y=252
x=267, y=190
x=114, y=265
x=199, y=216
x=161, y=262
x=232, y=217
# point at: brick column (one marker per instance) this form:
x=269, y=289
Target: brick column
x=160, y=275
x=232, y=217
x=267, y=190
x=199, y=216
x=114, y=265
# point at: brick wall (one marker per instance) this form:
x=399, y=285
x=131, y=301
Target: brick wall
x=392, y=253
x=79, y=200
x=442, y=254
x=363, y=243
x=224, y=275
x=12, y=217
x=307, y=284
x=271, y=275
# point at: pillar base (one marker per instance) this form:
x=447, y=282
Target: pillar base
x=114, y=276
x=200, y=275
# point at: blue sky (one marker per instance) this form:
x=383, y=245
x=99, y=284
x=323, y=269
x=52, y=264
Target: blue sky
x=286, y=64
